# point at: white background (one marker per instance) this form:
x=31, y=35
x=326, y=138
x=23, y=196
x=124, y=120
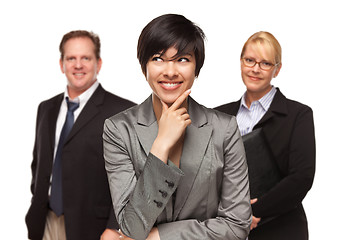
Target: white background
x=309, y=32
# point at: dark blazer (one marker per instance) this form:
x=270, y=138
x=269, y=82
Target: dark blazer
x=87, y=202
x=289, y=131
x=211, y=183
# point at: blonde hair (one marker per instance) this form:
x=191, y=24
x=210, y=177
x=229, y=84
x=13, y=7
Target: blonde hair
x=268, y=41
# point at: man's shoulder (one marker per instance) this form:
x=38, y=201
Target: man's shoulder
x=53, y=100
x=115, y=98
x=117, y=101
x=113, y=104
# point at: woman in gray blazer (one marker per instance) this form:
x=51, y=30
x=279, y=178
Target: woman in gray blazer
x=176, y=169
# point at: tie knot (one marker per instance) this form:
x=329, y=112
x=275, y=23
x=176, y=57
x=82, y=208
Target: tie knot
x=72, y=106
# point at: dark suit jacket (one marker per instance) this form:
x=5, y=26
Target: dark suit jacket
x=289, y=130
x=211, y=183
x=86, y=197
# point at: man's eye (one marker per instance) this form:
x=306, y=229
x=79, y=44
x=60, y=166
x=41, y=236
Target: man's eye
x=86, y=58
x=249, y=60
x=70, y=58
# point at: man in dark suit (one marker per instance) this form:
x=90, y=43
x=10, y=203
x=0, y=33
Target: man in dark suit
x=84, y=207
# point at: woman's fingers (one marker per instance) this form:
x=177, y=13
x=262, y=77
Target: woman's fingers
x=180, y=100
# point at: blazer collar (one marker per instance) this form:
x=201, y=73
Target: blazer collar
x=52, y=118
x=278, y=106
x=146, y=115
x=147, y=126
x=197, y=137
x=90, y=110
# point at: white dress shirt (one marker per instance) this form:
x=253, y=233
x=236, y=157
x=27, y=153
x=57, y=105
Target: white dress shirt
x=247, y=118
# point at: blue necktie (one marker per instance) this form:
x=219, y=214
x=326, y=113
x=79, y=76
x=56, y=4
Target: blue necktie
x=56, y=202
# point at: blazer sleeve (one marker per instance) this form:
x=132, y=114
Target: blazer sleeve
x=137, y=201
x=34, y=160
x=300, y=154
x=234, y=214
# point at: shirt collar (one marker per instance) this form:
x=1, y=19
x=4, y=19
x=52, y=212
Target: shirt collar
x=265, y=101
x=84, y=97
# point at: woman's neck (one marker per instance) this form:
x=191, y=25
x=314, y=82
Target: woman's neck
x=255, y=96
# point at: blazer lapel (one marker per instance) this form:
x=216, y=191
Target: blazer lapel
x=278, y=106
x=197, y=137
x=193, y=150
x=90, y=110
x=52, y=120
x=146, y=126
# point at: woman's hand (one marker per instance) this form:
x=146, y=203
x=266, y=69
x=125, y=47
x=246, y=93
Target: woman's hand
x=172, y=125
x=123, y=236
x=154, y=234
x=110, y=234
x=255, y=220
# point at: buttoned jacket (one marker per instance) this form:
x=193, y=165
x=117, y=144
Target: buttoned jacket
x=207, y=197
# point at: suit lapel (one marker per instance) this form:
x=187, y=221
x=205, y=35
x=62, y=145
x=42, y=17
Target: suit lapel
x=278, y=106
x=90, y=110
x=146, y=126
x=52, y=120
x=197, y=137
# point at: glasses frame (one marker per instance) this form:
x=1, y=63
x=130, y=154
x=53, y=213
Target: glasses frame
x=256, y=62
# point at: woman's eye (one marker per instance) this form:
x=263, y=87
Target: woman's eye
x=249, y=60
x=183, y=59
x=266, y=64
x=157, y=59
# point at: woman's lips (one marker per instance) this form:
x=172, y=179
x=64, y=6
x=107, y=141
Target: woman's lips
x=254, y=78
x=170, y=85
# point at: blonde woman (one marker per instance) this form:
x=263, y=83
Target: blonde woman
x=288, y=130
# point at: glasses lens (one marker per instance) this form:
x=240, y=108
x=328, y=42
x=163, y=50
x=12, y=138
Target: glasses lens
x=265, y=65
x=249, y=62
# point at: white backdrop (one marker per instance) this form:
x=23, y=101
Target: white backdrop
x=309, y=32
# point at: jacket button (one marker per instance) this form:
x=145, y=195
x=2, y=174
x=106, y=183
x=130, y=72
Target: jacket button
x=170, y=184
x=164, y=194
x=159, y=204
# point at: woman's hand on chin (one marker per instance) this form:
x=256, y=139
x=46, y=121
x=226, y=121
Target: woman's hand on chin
x=171, y=126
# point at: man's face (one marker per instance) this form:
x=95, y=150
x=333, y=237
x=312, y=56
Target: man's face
x=80, y=65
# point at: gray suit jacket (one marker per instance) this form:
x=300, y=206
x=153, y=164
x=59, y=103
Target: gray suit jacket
x=206, y=198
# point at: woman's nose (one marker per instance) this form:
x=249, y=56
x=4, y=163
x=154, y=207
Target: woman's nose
x=256, y=67
x=170, y=70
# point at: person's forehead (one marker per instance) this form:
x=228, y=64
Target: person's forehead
x=263, y=50
x=79, y=44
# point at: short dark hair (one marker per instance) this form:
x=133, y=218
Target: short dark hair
x=171, y=30
x=79, y=34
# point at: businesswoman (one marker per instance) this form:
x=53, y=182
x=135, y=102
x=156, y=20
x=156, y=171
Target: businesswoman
x=289, y=132
x=176, y=169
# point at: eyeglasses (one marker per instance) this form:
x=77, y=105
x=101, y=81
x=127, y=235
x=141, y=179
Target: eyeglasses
x=264, y=65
